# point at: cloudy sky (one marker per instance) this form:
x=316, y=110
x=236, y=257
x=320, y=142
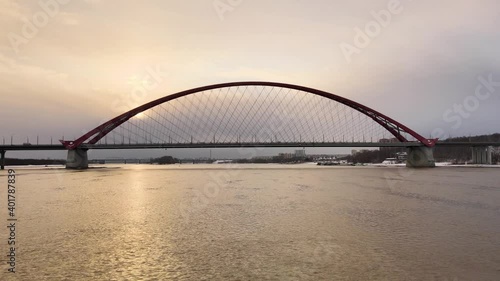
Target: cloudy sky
x=67, y=65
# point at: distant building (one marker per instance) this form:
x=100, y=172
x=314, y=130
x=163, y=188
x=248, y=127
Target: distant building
x=392, y=140
x=301, y=153
x=326, y=157
x=388, y=149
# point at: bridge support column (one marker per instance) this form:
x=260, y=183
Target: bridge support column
x=420, y=157
x=2, y=161
x=482, y=155
x=77, y=159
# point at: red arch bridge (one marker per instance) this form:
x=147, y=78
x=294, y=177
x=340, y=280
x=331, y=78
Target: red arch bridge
x=248, y=114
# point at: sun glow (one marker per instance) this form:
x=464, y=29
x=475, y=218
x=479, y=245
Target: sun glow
x=140, y=115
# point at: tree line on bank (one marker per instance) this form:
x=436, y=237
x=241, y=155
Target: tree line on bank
x=165, y=160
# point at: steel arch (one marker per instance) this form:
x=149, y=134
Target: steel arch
x=391, y=125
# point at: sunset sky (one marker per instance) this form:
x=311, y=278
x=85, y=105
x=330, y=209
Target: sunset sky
x=66, y=66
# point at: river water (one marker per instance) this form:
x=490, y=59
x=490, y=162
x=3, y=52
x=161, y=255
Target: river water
x=254, y=222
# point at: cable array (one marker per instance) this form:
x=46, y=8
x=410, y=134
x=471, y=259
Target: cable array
x=249, y=114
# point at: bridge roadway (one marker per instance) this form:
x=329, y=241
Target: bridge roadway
x=240, y=145
x=4, y=148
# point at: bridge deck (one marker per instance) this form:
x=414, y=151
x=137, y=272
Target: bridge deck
x=240, y=145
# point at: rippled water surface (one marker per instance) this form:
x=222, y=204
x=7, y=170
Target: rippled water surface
x=255, y=222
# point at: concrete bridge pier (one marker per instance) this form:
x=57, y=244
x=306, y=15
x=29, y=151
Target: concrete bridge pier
x=77, y=159
x=482, y=155
x=2, y=161
x=420, y=157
